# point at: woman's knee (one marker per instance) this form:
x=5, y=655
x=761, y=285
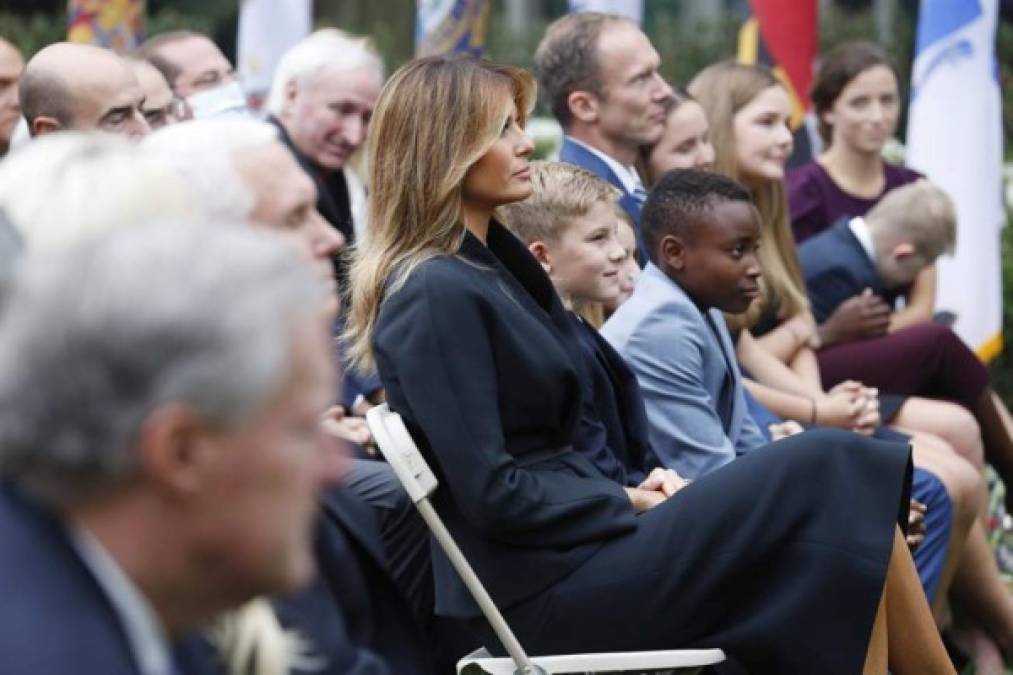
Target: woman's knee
x=950, y=422
x=963, y=482
x=961, y=430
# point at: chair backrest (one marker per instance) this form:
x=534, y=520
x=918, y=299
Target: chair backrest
x=399, y=449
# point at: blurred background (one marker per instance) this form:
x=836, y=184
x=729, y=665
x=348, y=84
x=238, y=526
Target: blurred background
x=689, y=34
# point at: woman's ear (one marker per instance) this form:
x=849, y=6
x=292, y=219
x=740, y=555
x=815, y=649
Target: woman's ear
x=542, y=255
x=828, y=118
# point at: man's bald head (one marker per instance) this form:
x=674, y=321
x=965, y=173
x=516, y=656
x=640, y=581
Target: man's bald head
x=11, y=66
x=73, y=86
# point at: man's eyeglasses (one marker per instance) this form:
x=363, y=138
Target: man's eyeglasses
x=176, y=111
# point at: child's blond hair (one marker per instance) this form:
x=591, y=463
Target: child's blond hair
x=919, y=213
x=561, y=193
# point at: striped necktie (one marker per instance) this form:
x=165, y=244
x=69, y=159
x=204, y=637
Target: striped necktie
x=640, y=195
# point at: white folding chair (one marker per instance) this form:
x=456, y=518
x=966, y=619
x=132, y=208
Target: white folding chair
x=411, y=468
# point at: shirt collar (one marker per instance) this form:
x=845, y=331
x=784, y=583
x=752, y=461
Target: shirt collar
x=860, y=229
x=145, y=634
x=627, y=175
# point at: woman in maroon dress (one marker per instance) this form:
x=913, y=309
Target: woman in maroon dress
x=857, y=101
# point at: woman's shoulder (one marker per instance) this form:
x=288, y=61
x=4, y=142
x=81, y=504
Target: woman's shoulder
x=809, y=189
x=806, y=175
x=897, y=175
x=443, y=278
x=806, y=186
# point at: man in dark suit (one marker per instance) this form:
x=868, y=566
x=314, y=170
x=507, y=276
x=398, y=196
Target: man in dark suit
x=386, y=543
x=600, y=75
x=164, y=467
x=322, y=97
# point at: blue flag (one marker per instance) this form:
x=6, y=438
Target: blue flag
x=955, y=138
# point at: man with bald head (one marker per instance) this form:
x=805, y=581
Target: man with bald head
x=81, y=87
x=11, y=65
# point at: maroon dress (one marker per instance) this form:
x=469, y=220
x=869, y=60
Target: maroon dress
x=815, y=201
x=923, y=360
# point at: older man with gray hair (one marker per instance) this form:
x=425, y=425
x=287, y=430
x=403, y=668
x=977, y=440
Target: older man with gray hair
x=239, y=170
x=322, y=98
x=160, y=455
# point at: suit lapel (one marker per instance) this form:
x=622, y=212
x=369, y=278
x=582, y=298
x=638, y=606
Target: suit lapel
x=577, y=154
x=726, y=395
x=863, y=266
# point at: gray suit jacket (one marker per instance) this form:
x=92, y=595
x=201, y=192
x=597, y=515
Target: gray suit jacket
x=685, y=363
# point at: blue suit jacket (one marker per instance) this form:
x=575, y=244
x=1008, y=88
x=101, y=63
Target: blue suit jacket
x=576, y=154
x=55, y=618
x=685, y=363
x=836, y=268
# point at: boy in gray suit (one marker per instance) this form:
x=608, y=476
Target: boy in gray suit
x=701, y=231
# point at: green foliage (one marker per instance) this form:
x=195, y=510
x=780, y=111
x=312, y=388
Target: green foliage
x=32, y=32
x=686, y=48
x=390, y=23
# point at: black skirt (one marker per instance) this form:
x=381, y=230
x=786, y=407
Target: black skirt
x=779, y=558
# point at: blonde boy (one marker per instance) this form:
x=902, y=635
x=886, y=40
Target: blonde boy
x=569, y=223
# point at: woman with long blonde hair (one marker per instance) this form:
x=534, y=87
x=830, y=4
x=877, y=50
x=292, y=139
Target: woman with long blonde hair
x=477, y=354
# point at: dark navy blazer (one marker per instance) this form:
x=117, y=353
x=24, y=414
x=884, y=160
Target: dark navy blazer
x=613, y=431
x=478, y=355
x=576, y=154
x=54, y=618
x=836, y=268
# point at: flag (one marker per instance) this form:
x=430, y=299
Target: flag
x=631, y=9
x=783, y=35
x=267, y=28
x=114, y=24
x=446, y=26
x=955, y=138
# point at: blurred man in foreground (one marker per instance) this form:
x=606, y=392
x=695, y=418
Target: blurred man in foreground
x=161, y=453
